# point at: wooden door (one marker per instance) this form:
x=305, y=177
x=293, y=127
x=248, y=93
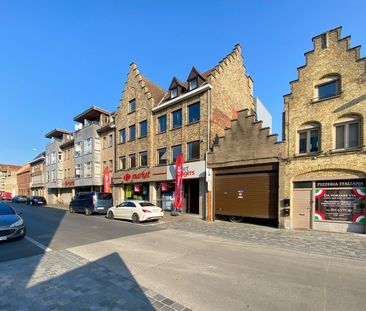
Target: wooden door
x=301, y=208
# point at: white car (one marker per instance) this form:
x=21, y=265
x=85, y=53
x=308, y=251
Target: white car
x=135, y=210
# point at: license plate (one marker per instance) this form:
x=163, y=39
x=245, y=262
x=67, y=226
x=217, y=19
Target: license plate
x=100, y=207
x=3, y=238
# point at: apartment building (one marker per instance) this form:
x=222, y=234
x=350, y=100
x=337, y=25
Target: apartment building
x=87, y=144
x=38, y=175
x=8, y=178
x=325, y=136
x=23, y=180
x=56, y=192
x=154, y=126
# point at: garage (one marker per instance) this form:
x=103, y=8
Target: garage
x=249, y=191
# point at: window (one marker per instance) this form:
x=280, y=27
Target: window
x=53, y=157
x=193, y=84
x=194, y=113
x=110, y=140
x=104, y=164
x=104, y=142
x=97, y=169
x=177, y=118
x=87, y=169
x=78, y=149
x=47, y=159
x=132, y=160
x=193, y=150
x=174, y=92
x=122, y=136
x=88, y=145
x=329, y=87
x=347, y=133
x=132, y=106
x=143, y=158
x=59, y=174
x=122, y=163
x=162, y=124
x=111, y=165
x=77, y=170
x=162, y=156
x=309, y=138
x=143, y=128
x=132, y=132
x=176, y=150
x=97, y=143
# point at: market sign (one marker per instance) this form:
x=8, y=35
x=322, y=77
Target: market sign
x=352, y=183
x=340, y=204
x=145, y=175
x=69, y=184
x=195, y=169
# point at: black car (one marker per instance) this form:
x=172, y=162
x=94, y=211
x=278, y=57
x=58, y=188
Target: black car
x=36, y=200
x=91, y=202
x=11, y=224
x=19, y=199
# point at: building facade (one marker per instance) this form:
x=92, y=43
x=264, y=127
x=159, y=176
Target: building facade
x=8, y=178
x=153, y=126
x=38, y=175
x=23, y=180
x=324, y=132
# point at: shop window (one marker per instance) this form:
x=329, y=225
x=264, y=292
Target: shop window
x=162, y=124
x=328, y=87
x=177, y=118
x=143, y=158
x=143, y=129
x=347, y=133
x=122, y=136
x=132, y=132
x=122, y=163
x=309, y=138
x=174, y=92
x=162, y=156
x=193, y=84
x=193, y=150
x=194, y=113
x=176, y=150
x=132, y=106
x=132, y=160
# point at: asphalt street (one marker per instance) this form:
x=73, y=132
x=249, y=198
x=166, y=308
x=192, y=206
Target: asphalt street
x=57, y=229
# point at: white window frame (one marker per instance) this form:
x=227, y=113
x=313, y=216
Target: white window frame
x=190, y=84
x=346, y=122
x=174, y=92
x=88, y=145
x=308, y=128
x=88, y=169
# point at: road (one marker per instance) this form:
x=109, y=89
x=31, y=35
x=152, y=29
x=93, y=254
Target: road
x=57, y=229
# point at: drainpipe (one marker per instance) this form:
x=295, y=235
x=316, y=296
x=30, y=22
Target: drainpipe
x=208, y=208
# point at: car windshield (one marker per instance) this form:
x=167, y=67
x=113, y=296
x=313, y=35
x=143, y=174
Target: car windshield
x=144, y=204
x=5, y=209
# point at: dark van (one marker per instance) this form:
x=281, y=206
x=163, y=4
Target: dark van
x=91, y=202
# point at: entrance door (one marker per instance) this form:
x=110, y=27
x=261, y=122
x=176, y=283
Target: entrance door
x=301, y=208
x=191, y=196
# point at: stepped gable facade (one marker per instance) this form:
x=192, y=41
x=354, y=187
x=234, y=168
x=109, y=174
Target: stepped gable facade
x=324, y=133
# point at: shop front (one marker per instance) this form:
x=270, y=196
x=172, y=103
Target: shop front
x=330, y=205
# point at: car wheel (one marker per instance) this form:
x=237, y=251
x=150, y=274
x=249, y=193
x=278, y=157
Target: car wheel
x=135, y=218
x=235, y=218
x=110, y=215
x=71, y=210
x=87, y=211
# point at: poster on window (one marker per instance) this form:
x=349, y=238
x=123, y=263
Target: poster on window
x=340, y=204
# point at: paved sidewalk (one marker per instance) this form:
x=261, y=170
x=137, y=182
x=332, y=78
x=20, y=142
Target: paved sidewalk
x=344, y=245
x=65, y=281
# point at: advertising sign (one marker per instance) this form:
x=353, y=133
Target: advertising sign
x=195, y=169
x=106, y=180
x=178, y=195
x=340, y=204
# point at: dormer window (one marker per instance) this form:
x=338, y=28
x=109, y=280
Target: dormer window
x=193, y=84
x=174, y=92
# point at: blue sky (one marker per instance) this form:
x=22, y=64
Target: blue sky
x=58, y=58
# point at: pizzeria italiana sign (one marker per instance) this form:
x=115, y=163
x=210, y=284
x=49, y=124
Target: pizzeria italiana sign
x=353, y=183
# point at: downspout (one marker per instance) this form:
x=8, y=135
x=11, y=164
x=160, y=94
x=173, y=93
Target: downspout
x=208, y=207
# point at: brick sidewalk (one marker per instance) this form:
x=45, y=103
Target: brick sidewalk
x=344, y=245
x=64, y=281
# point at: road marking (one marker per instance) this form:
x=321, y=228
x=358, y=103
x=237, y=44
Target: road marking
x=45, y=248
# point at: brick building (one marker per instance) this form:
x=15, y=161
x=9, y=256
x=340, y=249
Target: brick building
x=8, y=178
x=38, y=175
x=324, y=155
x=23, y=180
x=154, y=126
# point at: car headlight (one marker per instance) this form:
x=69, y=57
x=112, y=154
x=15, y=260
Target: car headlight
x=17, y=224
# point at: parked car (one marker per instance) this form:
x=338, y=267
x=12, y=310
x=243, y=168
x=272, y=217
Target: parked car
x=36, y=200
x=11, y=224
x=4, y=195
x=135, y=210
x=91, y=202
x=19, y=199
